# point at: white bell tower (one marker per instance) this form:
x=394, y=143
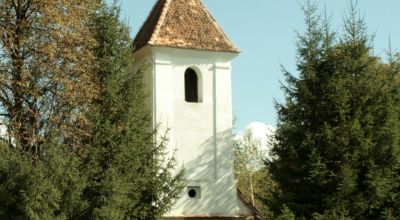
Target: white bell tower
x=189, y=82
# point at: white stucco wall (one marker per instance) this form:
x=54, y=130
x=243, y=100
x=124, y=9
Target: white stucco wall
x=200, y=133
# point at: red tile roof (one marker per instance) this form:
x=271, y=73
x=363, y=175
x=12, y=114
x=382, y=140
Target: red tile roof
x=183, y=24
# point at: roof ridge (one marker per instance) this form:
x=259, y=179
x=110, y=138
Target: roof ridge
x=219, y=28
x=184, y=24
x=160, y=21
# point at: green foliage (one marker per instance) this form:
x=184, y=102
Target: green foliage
x=332, y=214
x=131, y=174
x=286, y=214
x=50, y=189
x=337, y=150
x=122, y=173
x=47, y=80
x=252, y=178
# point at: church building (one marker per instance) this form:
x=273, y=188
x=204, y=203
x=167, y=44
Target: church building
x=188, y=79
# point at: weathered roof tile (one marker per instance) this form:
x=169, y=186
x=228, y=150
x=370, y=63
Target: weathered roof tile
x=183, y=24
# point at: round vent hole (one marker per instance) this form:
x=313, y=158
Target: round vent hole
x=192, y=193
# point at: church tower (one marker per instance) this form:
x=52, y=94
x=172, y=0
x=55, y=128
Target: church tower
x=188, y=78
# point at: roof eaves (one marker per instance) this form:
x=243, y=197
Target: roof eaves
x=194, y=48
x=248, y=204
x=148, y=27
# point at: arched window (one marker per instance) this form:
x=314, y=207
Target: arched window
x=191, y=86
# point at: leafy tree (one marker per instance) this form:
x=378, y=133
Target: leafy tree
x=252, y=178
x=130, y=173
x=80, y=143
x=337, y=151
x=248, y=159
x=46, y=74
x=46, y=87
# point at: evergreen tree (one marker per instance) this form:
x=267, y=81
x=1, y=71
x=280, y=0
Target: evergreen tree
x=337, y=151
x=131, y=175
x=50, y=189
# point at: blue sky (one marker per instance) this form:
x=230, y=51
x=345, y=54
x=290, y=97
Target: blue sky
x=264, y=30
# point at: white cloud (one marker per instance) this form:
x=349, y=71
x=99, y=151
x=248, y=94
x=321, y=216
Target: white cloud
x=261, y=132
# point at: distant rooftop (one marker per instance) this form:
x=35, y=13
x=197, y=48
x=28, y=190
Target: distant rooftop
x=183, y=24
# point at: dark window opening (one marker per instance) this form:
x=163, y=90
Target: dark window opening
x=192, y=193
x=191, y=86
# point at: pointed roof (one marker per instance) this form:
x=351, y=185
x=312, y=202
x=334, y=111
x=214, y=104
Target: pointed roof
x=183, y=24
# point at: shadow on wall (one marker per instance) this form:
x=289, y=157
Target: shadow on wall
x=212, y=171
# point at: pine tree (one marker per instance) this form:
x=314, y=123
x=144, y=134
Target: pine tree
x=337, y=151
x=50, y=189
x=131, y=175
